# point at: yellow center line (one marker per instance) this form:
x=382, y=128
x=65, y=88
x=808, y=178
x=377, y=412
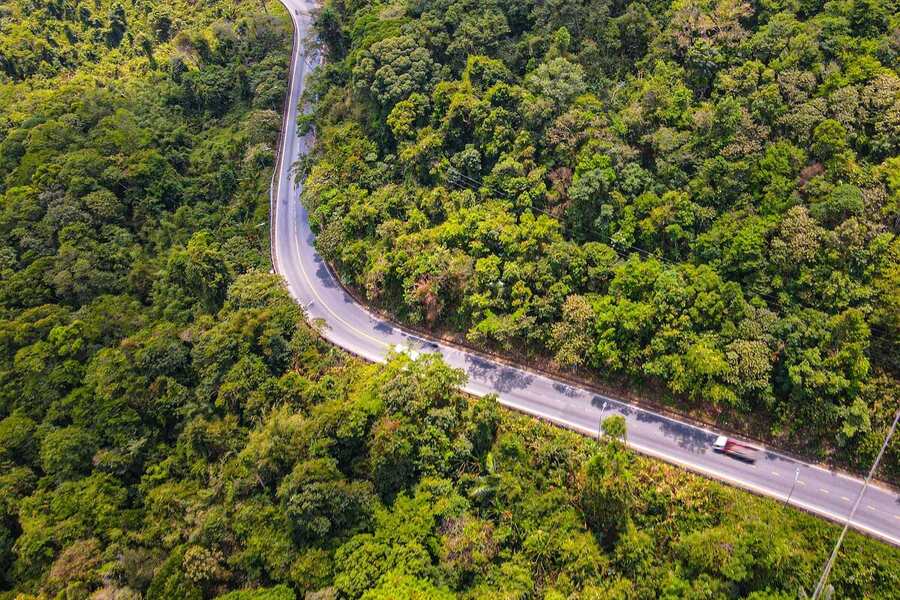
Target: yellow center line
x=325, y=305
x=289, y=198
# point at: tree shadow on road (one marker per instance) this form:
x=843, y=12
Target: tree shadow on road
x=567, y=390
x=688, y=437
x=501, y=378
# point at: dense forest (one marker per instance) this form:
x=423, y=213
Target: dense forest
x=171, y=428
x=701, y=197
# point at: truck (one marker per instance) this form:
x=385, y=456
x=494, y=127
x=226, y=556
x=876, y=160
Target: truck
x=735, y=449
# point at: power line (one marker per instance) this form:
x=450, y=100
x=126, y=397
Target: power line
x=826, y=571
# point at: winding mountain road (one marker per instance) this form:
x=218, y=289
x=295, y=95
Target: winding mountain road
x=352, y=327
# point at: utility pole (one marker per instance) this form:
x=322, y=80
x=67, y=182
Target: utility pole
x=828, y=565
x=793, y=485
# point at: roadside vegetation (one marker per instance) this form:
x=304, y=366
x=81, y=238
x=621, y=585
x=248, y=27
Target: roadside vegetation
x=700, y=198
x=172, y=429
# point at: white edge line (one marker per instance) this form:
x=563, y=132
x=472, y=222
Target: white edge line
x=640, y=448
x=551, y=380
x=632, y=406
x=711, y=474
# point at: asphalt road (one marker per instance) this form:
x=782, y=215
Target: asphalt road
x=352, y=327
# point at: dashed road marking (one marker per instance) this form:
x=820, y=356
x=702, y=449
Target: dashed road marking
x=315, y=292
x=561, y=420
x=776, y=473
x=870, y=507
x=652, y=452
x=824, y=491
x=801, y=482
x=845, y=498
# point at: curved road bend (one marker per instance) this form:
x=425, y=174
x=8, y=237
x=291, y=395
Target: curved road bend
x=352, y=327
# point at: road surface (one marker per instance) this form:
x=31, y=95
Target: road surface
x=352, y=327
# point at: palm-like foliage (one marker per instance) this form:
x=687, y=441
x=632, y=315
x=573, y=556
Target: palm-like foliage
x=488, y=484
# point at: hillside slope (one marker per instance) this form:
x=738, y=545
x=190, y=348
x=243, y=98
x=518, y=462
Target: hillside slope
x=699, y=199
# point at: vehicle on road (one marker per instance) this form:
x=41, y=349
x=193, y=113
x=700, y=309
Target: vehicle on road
x=735, y=449
x=352, y=326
